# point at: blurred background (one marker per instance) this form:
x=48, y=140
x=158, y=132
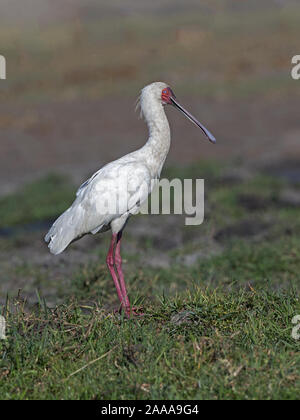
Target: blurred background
x=74, y=70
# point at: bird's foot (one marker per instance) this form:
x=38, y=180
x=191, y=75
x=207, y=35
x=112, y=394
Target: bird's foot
x=129, y=312
x=133, y=311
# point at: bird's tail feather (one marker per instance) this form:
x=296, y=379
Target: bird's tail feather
x=62, y=233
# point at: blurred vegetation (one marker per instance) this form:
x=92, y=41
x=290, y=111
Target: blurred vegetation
x=39, y=201
x=216, y=53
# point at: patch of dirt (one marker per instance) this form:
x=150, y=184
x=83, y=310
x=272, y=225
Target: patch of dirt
x=289, y=198
x=253, y=202
x=286, y=169
x=29, y=266
x=244, y=229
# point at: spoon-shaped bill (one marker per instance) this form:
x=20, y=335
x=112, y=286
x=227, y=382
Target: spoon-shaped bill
x=194, y=120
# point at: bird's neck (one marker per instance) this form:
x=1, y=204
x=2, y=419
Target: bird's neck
x=158, y=145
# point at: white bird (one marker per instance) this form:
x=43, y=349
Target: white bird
x=117, y=191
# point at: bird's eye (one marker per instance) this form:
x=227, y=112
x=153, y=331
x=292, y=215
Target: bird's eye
x=165, y=91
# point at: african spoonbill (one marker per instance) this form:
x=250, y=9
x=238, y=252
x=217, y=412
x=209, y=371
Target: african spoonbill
x=88, y=213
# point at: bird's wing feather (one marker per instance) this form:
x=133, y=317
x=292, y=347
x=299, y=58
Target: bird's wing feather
x=87, y=182
x=112, y=192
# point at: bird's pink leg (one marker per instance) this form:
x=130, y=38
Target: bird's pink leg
x=111, y=266
x=118, y=262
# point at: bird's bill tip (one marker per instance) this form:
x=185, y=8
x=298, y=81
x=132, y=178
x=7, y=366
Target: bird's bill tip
x=212, y=139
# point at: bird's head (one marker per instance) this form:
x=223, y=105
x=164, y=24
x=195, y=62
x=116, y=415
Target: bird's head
x=163, y=94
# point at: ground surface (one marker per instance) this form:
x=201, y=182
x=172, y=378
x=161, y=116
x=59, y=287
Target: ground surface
x=218, y=299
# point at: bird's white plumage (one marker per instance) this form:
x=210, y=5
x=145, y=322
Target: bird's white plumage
x=126, y=182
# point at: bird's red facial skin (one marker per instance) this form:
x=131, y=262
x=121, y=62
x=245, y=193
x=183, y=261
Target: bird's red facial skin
x=166, y=96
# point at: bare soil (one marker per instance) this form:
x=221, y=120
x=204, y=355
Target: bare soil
x=78, y=137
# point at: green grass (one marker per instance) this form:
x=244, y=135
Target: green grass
x=202, y=345
x=219, y=327
x=38, y=201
